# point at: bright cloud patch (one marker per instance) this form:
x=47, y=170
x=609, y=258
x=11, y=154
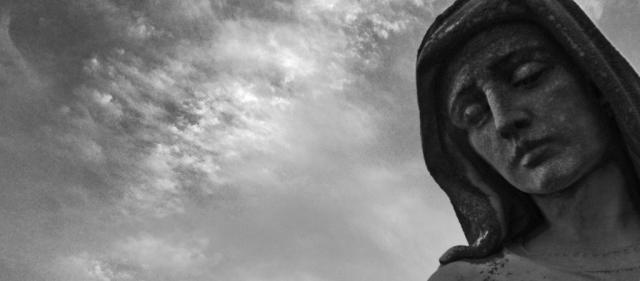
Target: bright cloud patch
x=592, y=7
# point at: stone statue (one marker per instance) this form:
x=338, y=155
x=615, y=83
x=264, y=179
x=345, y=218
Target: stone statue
x=530, y=123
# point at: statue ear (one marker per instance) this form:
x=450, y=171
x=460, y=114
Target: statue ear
x=606, y=108
x=595, y=92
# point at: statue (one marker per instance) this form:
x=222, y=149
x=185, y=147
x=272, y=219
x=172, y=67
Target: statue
x=530, y=123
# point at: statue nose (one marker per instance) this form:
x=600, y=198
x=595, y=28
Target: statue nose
x=508, y=125
x=510, y=111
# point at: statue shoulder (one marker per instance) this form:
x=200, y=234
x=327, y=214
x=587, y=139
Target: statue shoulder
x=457, y=271
x=502, y=266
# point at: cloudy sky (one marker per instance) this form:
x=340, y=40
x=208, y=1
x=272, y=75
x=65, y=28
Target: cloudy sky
x=222, y=139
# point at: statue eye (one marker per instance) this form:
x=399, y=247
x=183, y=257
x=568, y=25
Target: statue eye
x=469, y=109
x=528, y=73
x=473, y=115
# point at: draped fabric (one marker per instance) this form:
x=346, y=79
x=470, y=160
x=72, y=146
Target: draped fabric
x=490, y=211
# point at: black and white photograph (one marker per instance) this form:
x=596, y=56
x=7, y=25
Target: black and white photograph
x=319, y=140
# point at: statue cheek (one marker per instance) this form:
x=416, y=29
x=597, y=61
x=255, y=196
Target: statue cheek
x=487, y=147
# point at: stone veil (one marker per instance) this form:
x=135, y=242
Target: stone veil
x=490, y=211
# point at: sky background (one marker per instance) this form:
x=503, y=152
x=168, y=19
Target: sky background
x=222, y=139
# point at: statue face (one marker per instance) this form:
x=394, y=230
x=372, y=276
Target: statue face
x=527, y=110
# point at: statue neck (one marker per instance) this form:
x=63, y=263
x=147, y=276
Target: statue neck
x=596, y=213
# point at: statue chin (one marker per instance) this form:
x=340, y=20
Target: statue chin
x=559, y=173
x=549, y=182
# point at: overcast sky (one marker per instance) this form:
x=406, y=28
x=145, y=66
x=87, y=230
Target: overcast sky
x=222, y=139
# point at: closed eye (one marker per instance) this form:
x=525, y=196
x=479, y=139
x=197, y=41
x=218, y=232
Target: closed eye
x=528, y=73
x=474, y=114
x=470, y=110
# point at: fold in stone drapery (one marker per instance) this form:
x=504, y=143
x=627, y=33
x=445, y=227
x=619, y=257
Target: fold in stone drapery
x=491, y=211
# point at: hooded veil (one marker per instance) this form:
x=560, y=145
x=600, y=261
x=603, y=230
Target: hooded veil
x=490, y=210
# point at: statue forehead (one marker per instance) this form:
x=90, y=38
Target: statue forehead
x=489, y=46
x=499, y=41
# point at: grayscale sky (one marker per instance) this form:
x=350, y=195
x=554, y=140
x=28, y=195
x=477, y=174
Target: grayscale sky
x=235, y=140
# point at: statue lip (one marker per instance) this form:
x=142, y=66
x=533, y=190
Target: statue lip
x=530, y=153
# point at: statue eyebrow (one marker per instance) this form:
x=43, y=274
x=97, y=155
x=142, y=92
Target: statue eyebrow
x=511, y=60
x=460, y=89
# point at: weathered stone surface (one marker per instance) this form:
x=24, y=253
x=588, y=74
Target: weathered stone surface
x=529, y=121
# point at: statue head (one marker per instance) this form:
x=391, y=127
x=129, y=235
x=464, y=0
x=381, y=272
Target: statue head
x=525, y=108
x=511, y=96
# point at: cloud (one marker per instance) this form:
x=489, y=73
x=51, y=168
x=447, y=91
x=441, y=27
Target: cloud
x=593, y=8
x=221, y=140
x=226, y=140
